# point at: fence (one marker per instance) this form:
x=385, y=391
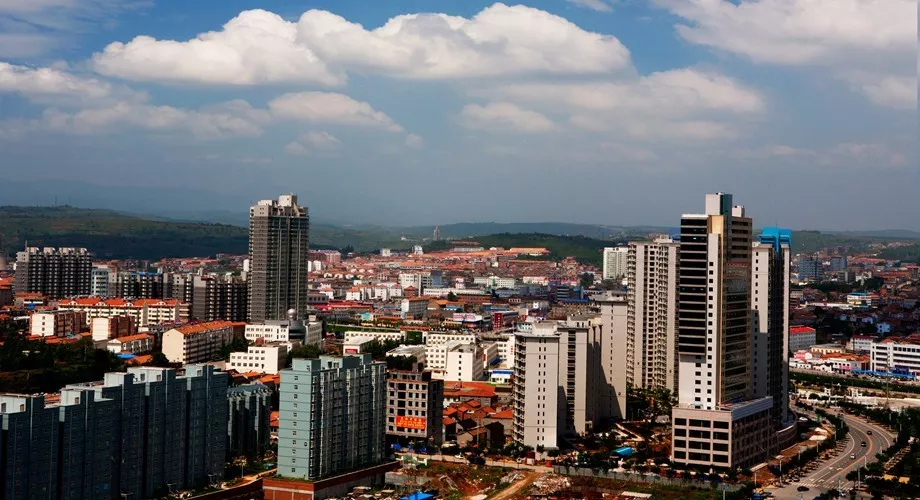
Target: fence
x=644, y=478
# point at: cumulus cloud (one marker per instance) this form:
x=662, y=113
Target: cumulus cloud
x=296, y=149
x=255, y=47
x=504, y=117
x=839, y=155
x=55, y=86
x=260, y=47
x=852, y=37
x=330, y=107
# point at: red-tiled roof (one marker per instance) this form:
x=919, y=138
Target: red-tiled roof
x=802, y=329
x=502, y=415
x=468, y=390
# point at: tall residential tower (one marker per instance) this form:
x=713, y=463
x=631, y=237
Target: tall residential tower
x=279, y=240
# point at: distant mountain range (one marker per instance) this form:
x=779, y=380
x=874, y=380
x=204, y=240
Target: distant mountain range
x=118, y=235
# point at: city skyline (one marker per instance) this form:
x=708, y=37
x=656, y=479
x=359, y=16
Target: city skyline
x=227, y=103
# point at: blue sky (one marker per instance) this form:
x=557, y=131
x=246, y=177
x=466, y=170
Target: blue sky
x=424, y=112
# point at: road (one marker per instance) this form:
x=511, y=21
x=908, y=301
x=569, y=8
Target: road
x=832, y=472
x=519, y=485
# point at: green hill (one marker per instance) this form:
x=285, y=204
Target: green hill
x=110, y=234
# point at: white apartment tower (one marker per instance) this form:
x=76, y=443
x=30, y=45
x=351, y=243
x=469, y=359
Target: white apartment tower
x=615, y=262
x=558, y=381
x=613, y=320
x=651, y=348
x=770, y=303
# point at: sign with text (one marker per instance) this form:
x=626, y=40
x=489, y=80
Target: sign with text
x=411, y=422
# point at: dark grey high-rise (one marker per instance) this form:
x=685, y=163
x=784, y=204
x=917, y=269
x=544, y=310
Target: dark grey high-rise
x=54, y=272
x=279, y=239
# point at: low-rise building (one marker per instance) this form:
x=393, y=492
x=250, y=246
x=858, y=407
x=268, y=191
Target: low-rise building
x=114, y=327
x=59, y=323
x=415, y=405
x=290, y=330
x=266, y=358
x=199, y=342
x=131, y=344
x=801, y=338
x=729, y=436
x=897, y=354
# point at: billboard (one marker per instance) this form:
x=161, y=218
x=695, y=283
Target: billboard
x=411, y=423
x=351, y=350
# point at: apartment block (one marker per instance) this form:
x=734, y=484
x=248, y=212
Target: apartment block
x=143, y=311
x=248, y=421
x=615, y=262
x=132, y=344
x=332, y=416
x=54, y=272
x=218, y=298
x=199, y=342
x=651, y=349
x=614, y=320
x=140, y=285
x=290, y=330
x=558, y=381
x=129, y=436
x=100, y=276
x=415, y=406
x=801, y=338
x=770, y=337
x=114, y=327
x=265, y=358
x=897, y=354
x=279, y=240
x=59, y=323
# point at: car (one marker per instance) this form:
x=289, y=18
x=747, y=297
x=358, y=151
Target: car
x=802, y=488
x=853, y=456
x=869, y=433
x=863, y=444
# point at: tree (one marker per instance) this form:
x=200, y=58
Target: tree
x=587, y=280
x=451, y=297
x=308, y=351
x=237, y=344
x=160, y=360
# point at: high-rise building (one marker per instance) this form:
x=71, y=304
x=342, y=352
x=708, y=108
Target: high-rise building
x=558, y=381
x=718, y=422
x=332, y=416
x=810, y=268
x=613, y=309
x=436, y=236
x=615, y=262
x=133, y=435
x=140, y=285
x=219, y=298
x=248, y=421
x=279, y=233
x=100, y=277
x=54, y=272
x=770, y=339
x=651, y=349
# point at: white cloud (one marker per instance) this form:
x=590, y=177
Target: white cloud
x=296, y=149
x=843, y=154
x=321, y=140
x=414, y=142
x=892, y=91
x=255, y=47
x=504, y=117
x=50, y=85
x=260, y=47
x=598, y=5
x=166, y=119
x=329, y=107
x=676, y=92
x=851, y=37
